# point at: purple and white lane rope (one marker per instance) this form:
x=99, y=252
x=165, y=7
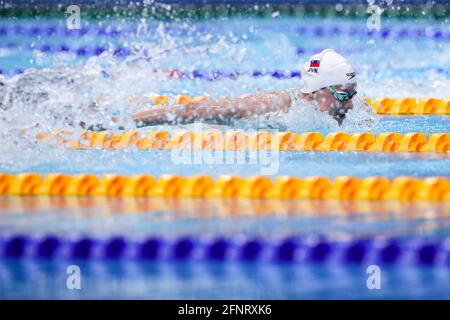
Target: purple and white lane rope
x=291, y=249
x=34, y=30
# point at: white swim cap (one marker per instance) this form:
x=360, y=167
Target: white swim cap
x=327, y=68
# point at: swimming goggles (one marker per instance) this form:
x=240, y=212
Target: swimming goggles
x=342, y=95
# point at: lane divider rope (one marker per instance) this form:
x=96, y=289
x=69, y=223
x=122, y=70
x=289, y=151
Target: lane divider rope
x=213, y=139
x=82, y=51
x=410, y=106
x=123, y=51
x=216, y=75
x=227, y=249
x=34, y=30
x=258, y=187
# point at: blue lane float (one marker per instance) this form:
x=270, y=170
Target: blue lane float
x=121, y=51
x=34, y=30
x=209, y=75
x=118, y=51
x=233, y=75
x=291, y=249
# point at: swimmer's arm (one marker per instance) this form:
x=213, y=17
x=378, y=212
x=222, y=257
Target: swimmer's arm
x=225, y=108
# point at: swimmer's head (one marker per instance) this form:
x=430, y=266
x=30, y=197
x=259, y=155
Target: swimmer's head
x=330, y=81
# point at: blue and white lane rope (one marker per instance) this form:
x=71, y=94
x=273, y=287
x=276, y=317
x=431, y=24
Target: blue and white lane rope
x=35, y=30
x=291, y=249
x=82, y=51
x=122, y=51
x=233, y=75
x=208, y=75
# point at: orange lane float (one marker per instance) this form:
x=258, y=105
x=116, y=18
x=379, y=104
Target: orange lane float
x=240, y=140
x=259, y=187
x=410, y=106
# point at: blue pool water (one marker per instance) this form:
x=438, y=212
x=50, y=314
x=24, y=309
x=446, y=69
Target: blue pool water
x=55, y=68
x=215, y=281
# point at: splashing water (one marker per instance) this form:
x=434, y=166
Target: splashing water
x=63, y=96
x=98, y=89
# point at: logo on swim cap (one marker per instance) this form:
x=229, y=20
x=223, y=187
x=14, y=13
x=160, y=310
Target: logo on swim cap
x=350, y=75
x=314, y=66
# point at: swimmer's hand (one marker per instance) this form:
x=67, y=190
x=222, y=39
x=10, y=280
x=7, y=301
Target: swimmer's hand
x=101, y=126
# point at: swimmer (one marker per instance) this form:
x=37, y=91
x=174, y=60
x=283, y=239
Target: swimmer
x=329, y=84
